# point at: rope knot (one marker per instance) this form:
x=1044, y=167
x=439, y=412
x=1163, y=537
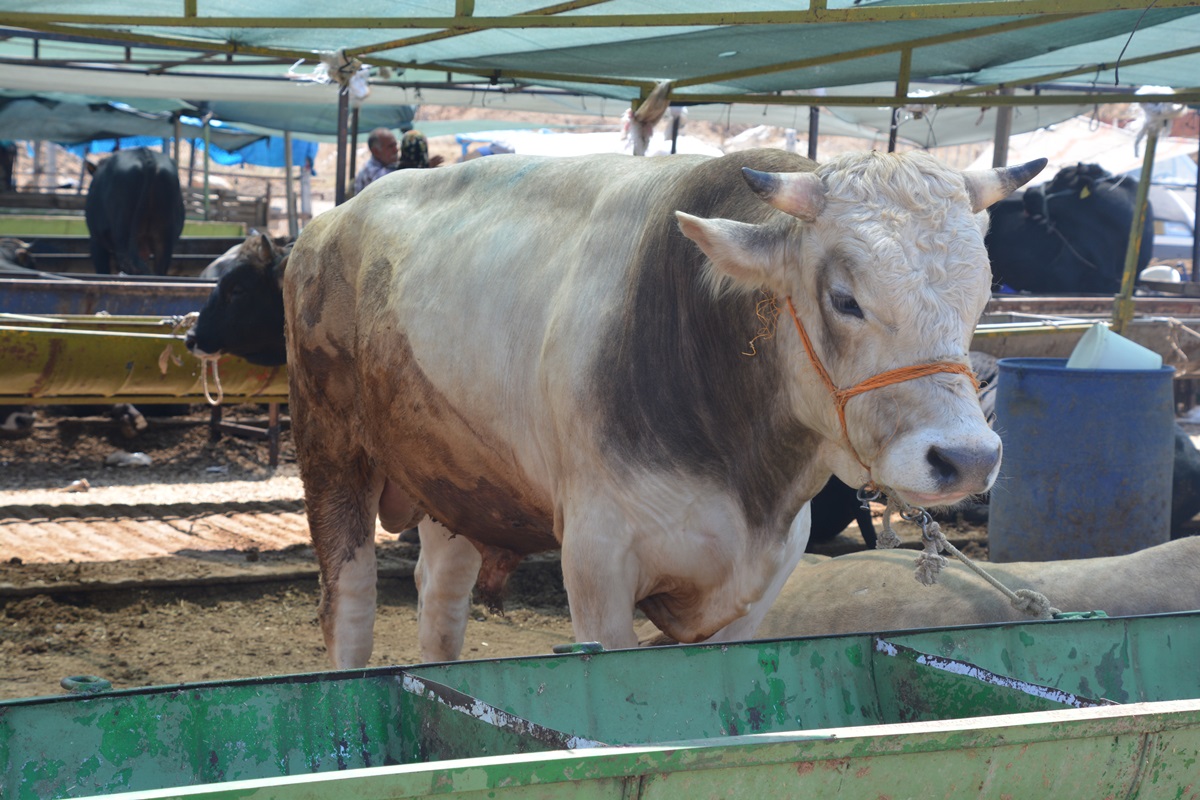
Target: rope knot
x=1033, y=604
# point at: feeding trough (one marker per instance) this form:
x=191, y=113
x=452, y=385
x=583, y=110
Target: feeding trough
x=1080, y=708
x=90, y=359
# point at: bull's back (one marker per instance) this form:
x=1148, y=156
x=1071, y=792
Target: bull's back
x=475, y=263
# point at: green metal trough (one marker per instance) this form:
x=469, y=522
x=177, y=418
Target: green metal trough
x=1064, y=709
x=76, y=359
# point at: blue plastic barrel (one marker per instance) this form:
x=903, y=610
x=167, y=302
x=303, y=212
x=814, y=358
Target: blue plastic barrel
x=1088, y=455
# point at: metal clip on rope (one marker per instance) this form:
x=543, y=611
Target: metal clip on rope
x=866, y=494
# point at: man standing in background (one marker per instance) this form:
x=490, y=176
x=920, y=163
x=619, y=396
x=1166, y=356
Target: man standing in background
x=384, y=152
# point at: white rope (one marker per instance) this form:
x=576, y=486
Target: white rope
x=205, y=361
x=930, y=562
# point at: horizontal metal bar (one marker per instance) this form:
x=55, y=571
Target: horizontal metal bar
x=1190, y=95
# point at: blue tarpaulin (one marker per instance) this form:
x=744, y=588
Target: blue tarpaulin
x=267, y=152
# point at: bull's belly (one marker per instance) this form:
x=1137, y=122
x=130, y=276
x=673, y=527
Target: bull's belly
x=485, y=508
x=454, y=466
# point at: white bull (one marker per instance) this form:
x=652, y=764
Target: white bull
x=529, y=351
x=875, y=591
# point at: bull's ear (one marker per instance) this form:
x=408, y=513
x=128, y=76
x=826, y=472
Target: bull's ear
x=745, y=254
x=261, y=250
x=89, y=166
x=801, y=194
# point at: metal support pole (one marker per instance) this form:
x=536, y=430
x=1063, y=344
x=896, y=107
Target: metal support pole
x=1123, y=305
x=207, y=117
x=1196, y=218
x=178, y=138
x=353, y=168
x=339, y=194
x=814, y=127
x=293, y=226
x=901, y=92
x=306, y=191
x=1004, y=115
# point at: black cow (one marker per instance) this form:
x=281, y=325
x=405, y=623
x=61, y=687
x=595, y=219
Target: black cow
x=244, y=314
x=134, y=212
x=1069, y=236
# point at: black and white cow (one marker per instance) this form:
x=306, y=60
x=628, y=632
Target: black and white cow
x=1068, y=236
x=134, y=212
x=532, y=353
x=244, y=314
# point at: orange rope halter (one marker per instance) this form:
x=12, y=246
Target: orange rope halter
x=898, y=375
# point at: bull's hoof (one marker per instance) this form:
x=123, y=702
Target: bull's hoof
x=18, y=425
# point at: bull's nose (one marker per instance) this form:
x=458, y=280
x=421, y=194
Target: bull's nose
x=963, y=468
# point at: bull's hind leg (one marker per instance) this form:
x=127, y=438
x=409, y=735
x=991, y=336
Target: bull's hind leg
x=342, y=496
x=446, y=572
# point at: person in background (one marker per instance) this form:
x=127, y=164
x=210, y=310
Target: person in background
x=384, y=149
x=414, y=152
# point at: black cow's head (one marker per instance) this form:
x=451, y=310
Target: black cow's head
x=244, y=313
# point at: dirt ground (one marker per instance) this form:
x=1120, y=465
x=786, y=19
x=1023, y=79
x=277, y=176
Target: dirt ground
x=152, y=577
x=187, y=616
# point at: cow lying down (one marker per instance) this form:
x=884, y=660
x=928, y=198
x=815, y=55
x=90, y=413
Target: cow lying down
x=875, y=590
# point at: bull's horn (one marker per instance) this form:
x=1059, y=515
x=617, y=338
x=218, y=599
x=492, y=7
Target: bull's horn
x=989, y=186
x=801, y=194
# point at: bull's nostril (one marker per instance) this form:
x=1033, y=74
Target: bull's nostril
x=962, y=467
x=943, y=466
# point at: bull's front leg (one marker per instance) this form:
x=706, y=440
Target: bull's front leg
x=446, y=571
x=601, y=575
x=783, y=564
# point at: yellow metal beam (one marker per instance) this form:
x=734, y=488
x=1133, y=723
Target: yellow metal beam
x=814, y=15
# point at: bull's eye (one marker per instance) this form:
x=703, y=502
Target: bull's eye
x=845, y=304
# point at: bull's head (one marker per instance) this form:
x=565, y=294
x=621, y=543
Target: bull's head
x=884, y=259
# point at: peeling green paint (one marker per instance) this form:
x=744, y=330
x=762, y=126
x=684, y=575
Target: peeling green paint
x=272, y=732
x=854, y=655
